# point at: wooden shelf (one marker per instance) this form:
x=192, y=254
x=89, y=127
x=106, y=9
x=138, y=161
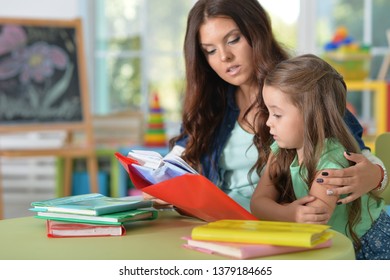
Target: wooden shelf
x=379, y=88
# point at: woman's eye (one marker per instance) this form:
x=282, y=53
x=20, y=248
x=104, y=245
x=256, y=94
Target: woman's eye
x=276, y=116
x=209, y=52
x=235, y=40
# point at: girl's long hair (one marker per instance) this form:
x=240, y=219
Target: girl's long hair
x=205, y=98
x=319, y=92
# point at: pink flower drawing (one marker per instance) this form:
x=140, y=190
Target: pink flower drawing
x=32, y=63
x=12, y=37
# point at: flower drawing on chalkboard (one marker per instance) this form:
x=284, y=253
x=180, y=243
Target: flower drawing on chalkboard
x=12, y=37
x=36, y=62
x=40, y=60
x=38, y=73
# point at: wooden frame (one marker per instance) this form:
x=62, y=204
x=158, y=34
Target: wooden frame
x=63, y=105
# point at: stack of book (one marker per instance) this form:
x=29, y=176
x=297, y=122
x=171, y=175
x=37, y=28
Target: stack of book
x=245, y=239
x=91, y=214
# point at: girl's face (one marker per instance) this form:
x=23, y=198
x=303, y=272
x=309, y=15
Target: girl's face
x=227, y=51
x=285, y=119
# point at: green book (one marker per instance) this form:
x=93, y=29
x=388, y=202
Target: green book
x=93, y=204
x=117, y=218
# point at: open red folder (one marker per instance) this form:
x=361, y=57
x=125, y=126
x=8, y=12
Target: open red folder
x=194, y=194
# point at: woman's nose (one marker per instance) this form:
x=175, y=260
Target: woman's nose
x=226, y=56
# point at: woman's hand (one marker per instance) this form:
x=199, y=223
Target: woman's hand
x=157, y=203
x=303, y=213
x=354, y=181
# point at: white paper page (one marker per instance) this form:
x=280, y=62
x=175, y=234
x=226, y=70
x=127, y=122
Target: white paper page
x=146, y=173
x=149, y=159
x=179, y=162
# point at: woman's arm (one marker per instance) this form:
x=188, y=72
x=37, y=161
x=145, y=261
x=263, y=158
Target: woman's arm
x=365, y=176
x=362, y=178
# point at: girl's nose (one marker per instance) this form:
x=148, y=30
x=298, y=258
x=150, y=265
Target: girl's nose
x=268, y=122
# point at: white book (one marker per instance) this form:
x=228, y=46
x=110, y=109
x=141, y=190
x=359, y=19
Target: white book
x=155, y=168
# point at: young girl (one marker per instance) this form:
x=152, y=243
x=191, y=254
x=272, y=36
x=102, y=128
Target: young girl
x=306, y=101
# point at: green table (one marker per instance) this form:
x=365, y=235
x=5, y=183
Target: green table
x=25, y=239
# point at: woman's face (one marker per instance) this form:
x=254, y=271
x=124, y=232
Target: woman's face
x=227, y=51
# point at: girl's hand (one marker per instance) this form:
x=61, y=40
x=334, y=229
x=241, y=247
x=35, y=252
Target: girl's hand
x=307, y=214
x=353, y=181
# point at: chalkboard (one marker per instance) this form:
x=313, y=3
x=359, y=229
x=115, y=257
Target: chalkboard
x=43, y=86
x=42, y=74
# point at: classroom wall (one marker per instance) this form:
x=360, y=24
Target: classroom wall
x=39, y=180
x=53, y=9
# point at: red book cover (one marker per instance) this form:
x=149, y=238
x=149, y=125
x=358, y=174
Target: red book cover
x=70, y=229
x=193, y=194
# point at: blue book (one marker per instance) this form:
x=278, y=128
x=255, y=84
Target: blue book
x=117, y=218
x=93, y=204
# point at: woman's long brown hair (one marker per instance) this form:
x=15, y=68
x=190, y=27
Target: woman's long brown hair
x=205, y=97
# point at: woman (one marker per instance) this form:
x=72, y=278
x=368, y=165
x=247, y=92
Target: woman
x=229, y=48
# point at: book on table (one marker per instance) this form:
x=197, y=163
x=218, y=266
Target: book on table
x=117, y=218
x=69, y=229
x=263, y=232
x=93, y=204
x=246, y=250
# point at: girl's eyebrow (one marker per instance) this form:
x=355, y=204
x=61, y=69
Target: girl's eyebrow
x=224, y=37
x=274, y=107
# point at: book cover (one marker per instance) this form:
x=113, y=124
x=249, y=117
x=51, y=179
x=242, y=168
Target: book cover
x=263, y=232
x=89, y=204
x=69, y=229
x=117, y=218
x=191, y=193
x=244, y=250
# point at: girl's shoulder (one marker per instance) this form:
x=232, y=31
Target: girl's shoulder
x=332, y=155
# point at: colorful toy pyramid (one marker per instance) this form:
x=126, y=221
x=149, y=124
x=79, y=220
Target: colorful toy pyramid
x=155, y=135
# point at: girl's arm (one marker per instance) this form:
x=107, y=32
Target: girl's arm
x=265, y=207
x=319, y=191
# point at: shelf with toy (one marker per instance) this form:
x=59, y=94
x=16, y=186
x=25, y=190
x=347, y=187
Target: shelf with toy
x=350, y=58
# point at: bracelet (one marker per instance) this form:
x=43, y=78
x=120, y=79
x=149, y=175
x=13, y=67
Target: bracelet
x=381, y=186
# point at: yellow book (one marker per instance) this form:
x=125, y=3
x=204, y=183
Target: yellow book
x=263, y=232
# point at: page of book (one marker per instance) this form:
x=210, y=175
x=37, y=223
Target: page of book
x=155, y=169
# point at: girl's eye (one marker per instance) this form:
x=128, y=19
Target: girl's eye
x=276, y=116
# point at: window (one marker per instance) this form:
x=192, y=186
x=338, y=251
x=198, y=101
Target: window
x=367, y=22
x=138, y=49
